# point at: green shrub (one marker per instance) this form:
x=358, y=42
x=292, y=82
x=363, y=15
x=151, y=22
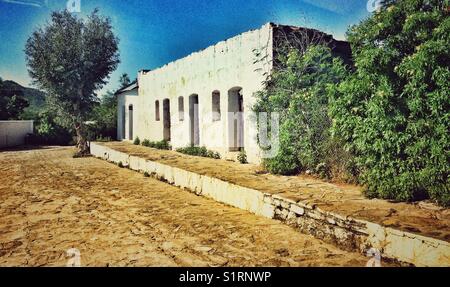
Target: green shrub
x=146, y=174
x=48, y=132
x=393, y=112
x=103, y=119
x=213, y=154
x=199, y=151
x=162, y=145
x=242, y=157
x=120, y=164
x=137, y=141
x=299, y=93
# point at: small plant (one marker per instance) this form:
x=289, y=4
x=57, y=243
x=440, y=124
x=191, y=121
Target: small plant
x=120, y=164
x=163, y=145
x=213, y=154
x=199, y=151
x=146, y=174
x=323, y=170
x=137, y=141
x=242, y=157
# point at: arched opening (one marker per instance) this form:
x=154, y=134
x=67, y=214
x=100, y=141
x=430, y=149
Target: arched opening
x=194, y=124
x=181, y=109
x=124, y=115
x=216, y=106
x=235, y=119
x=166, y=119
x=157, y=117
x=130, y=122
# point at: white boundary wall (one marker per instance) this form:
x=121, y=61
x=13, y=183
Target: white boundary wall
x=344, y=231
x=13, y=133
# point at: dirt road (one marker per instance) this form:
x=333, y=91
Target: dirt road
x=50, y=202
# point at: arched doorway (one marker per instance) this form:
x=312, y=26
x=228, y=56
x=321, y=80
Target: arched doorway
x=123, y=124
x=130, y=122
x=166, y=119
x=194, y=124
x=235, y=119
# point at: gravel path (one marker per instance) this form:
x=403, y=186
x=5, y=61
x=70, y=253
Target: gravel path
x=50, y=202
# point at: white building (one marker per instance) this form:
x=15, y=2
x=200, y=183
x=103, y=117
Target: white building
x=206, y=98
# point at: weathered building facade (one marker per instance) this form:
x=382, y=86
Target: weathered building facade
x=206, y=98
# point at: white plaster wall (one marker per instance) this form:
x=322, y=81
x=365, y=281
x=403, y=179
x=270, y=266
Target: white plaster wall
x=221, y=67
x=125, y=100
x=13, y=133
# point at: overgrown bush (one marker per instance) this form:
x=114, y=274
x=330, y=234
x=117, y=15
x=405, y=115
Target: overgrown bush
x=393, y=112
x=103, y=119
x=48, y=132
x=298, y=91
x=137, y=141
x=199, y=151
x=242, y=157
x=163, y=145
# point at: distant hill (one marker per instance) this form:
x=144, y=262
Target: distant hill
x=35, y=98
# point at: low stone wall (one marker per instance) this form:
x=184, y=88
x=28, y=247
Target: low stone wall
x=346, y=232
x=13, y=133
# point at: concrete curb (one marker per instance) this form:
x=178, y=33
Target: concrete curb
x=348, y=233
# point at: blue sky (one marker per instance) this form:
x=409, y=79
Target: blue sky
x=155, y=32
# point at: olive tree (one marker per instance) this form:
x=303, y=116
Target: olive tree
x=71, y=58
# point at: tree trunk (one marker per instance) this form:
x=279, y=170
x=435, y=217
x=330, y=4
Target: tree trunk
x=82, y=144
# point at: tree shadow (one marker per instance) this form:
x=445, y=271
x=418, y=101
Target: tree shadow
x=29, y=147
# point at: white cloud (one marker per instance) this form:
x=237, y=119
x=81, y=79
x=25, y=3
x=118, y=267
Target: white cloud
x=34, y=3
x=337, y=6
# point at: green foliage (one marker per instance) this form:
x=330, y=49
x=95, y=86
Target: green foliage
x=120, y=164
x=71, y=58
x=146, y=174
x=12, y=101
x=242, y=157
x=199, y=151
x=48, y=131
x=124, y=81
x=299, y=93
x=147, y=143
x=103, y=119
x=137, y=141
x=393, y=112
x=163, y=145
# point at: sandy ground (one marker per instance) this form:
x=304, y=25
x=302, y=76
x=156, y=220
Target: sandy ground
x=50, y=202
x=423, y=218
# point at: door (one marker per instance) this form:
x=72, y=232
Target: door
x=194, y=121
x=130, y=122
x=235, y=119
x=166, y=119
